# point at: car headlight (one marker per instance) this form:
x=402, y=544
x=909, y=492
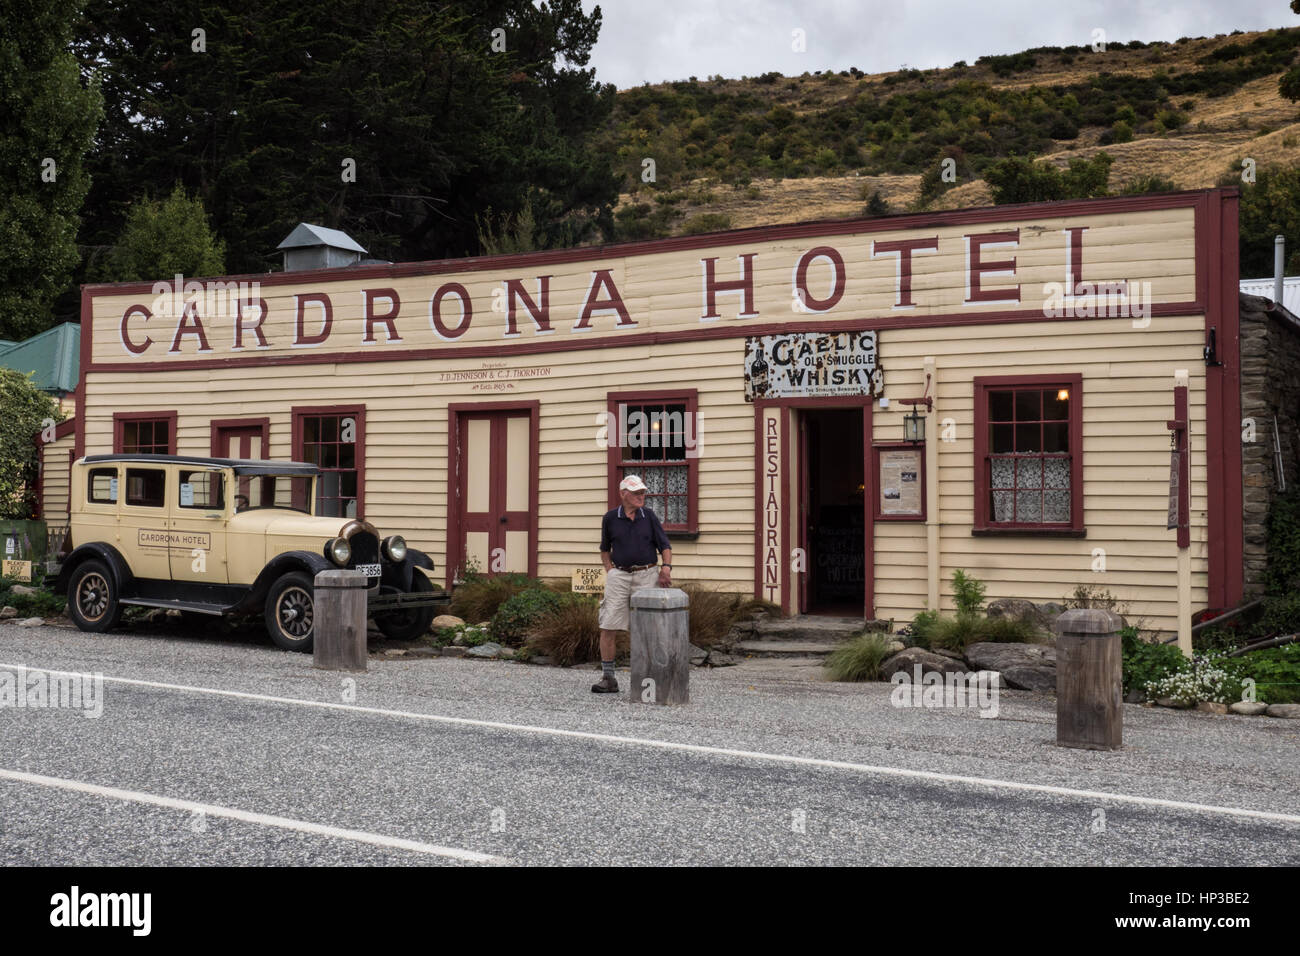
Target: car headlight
x=339, y=551
x=395, y=548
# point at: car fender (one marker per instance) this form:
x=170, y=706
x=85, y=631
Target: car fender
x=123, y=579
x=306, y=561
x=397, y=574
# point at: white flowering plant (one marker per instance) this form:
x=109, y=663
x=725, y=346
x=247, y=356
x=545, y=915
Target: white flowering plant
x=1212, y=677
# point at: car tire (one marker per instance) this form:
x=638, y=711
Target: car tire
x=92, y=598
x=289, y=612
x=407, y=625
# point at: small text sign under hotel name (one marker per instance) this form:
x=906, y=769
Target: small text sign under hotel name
x=811, y=365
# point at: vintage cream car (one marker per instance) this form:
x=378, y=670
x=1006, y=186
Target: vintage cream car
x=225, y=536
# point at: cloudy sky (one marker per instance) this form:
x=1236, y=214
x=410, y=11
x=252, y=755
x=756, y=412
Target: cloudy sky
x=654, y=40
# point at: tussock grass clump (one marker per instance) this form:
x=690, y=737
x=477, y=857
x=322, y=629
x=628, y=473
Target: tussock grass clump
x=712, y=612
x=479, y=597
x=860, y=658
x=570, y=633
x=958, y=633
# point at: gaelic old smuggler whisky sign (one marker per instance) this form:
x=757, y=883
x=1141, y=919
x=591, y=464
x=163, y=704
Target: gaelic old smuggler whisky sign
x=812, y=365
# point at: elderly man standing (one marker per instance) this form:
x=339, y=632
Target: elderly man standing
x=631, y=537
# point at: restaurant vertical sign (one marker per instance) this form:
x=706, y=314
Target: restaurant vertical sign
x=771, y=515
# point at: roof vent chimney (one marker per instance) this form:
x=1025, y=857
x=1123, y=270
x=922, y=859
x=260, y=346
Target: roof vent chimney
x=315, y=247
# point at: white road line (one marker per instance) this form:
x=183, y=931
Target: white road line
x=261, y=819
x=712, y=751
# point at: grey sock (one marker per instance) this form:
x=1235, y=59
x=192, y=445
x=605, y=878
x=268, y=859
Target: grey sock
x=607, y=667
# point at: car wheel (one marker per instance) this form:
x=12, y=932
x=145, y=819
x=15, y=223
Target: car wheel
x=408, y=623
x=92, y=597
x=289, y=612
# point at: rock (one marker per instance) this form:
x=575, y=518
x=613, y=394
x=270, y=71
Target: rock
x=395, y=652
x=541, y=659
x=1170, y=702
x=1211, y=707
x=7, y=612
x=1135, y=697
x=1248, y=708
x=718, y=659
x=173, y=614
x=1283, y=710
x=30, y=622
x=1023, y=666
x=490, y=650
x=22, y=589
x=908, y=659
x=699, y=656
x=453, y=651
x=1012, y=607
x=896, y=646
x=446, y=620
x=458, y=640
x=944, y=652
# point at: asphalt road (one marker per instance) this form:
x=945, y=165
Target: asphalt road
x=463, y=762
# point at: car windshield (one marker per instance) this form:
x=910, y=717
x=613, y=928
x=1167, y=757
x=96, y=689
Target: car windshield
x=290, y=492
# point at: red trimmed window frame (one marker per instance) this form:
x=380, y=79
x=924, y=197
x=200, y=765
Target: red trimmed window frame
x=677, y=396
x=120, y=420
x=983, y=523
x=358, y=412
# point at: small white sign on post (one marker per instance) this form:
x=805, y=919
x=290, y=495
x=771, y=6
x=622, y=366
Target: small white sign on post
x=17, y=570
x=588, y=580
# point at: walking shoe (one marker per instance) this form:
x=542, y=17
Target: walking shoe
x=606, y=685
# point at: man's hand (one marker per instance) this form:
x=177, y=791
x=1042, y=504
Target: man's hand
x=665, y=578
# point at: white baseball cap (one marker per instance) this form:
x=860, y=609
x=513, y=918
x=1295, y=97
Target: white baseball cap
x=631, y=483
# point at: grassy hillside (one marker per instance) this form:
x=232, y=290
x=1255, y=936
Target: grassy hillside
x=772, y=149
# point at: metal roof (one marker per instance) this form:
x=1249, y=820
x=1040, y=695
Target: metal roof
x=242, y=466
x=305, y=235
x=53, y=355
x=1290, y=291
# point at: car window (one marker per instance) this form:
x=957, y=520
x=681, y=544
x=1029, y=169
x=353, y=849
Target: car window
x=201, y=489
x=101, y=486
x=145, y=487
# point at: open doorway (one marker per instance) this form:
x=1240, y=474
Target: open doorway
x=832, y=519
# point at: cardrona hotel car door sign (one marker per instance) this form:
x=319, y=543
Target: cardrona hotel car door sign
x=812, y=365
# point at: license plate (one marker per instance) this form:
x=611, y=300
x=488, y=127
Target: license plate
x=369, y=570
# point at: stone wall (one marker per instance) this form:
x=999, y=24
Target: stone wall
x=1270, y=386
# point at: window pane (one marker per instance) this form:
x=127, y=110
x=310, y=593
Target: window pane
x=1000, y=406
x=205, y=490
x=1056, y=437
x=1029, y=506
x=144, y=487
x=1003, y=439
x=1028, y=406
x=1003, y=473
x=1029, y=473
x=1056, y=473
x=1029, y=438
x=1056, y=506
x=1002, y=501
x=676, y=477
x=102, y=485
x=1055, y=408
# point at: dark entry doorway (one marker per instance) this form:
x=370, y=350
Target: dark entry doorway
x=832, y=510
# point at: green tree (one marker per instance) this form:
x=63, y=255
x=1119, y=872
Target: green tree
x=47, y=123
x=161, y=239
x=27, y=410
x=1269, y=207
x=1019, y=179
x=400, y=122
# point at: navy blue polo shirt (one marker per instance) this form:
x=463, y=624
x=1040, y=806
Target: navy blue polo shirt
x=632, y=541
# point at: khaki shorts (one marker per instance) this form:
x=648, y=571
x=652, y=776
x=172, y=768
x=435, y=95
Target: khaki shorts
x=619, y=585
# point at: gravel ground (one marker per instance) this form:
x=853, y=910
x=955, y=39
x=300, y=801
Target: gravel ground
x=534, y=797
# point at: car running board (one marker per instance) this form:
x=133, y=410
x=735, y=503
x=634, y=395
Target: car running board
x=214, y=609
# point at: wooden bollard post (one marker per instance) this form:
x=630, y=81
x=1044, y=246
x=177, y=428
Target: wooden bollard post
x=1089, y=680
x=339, y=621
x=661, y=646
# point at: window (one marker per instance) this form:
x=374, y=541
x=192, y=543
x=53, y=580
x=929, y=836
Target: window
x=1028, y=454
x=655, y=435
x=201, y=489
x=333, y=439
x=144, y=433
x=145, y=487
x=101, y=486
